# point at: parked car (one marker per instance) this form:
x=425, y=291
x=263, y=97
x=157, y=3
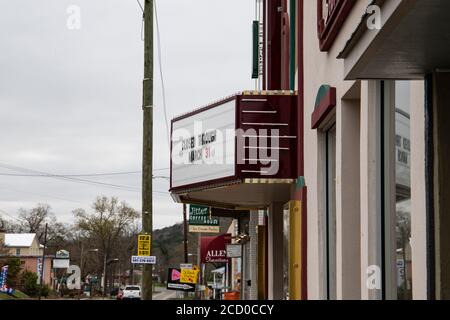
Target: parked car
x=131, y=292
x=119, y=295
x=114, y=292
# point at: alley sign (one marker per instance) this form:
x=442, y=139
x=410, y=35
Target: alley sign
x=143, y=260
x=144, y=241
x=200, y=220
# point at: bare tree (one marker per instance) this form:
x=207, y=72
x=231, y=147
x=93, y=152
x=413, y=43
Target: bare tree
x=107, y=225
x=34, y=220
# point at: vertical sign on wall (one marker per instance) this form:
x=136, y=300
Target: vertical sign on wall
x=39, y=269
x=255, y=68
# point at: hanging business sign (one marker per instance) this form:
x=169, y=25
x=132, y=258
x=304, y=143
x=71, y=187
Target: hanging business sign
x=62, y=254
x=200, y=220
x=213, y=249
x=144, y=242
x=234, y=250
x=62, y=260
x=61, y=263
x=173, y=281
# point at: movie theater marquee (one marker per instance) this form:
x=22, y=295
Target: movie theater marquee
x=203, y=145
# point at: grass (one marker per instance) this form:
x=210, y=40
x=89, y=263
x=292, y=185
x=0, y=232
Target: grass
x=20, y=295
x=16, y=295
x=4, y=296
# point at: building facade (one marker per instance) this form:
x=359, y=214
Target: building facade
x=26, y=247
x=364, y=213
x=374, y=148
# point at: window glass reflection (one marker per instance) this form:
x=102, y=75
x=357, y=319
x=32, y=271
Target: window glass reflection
x=403, y=189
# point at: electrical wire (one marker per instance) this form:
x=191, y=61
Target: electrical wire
x=140, y=5
x=9, y=215
x=65, y=178
x=70, y=175
x=39, y=194
x=163, y=87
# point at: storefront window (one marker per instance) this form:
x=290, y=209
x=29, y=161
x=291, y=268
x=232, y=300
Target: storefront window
x=403, y=189
x=397, y=185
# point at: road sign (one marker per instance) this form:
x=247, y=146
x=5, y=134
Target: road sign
x=181, y=287
x=200, y=220
x=143, y=260
x=189, y=275
x=144, y=241
x=173, y=281
x=234, y=250
x=186, y=266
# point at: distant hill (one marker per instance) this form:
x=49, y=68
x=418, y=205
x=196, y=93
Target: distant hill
x=169, y=249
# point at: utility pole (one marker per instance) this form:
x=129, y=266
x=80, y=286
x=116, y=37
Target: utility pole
x=147, y=160
x=104, y=274
x=185, y=234
x=43, y=262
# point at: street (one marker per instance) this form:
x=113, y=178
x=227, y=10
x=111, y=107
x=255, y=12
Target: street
x=164, y=295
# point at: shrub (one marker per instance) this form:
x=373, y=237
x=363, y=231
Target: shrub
x=30, y=286
x=45, y=290
x=14, y=269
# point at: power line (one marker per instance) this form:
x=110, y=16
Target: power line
x=80, y=175
x=9, y=215
x=163, y=87
x=39, y=194
x=65, y=178
x=140, y=5
x=70, y=175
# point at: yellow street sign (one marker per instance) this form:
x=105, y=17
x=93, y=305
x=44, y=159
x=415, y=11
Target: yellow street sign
x=144, y=241
x=189, y=275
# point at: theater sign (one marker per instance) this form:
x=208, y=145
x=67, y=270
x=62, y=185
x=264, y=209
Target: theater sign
x=248, y=138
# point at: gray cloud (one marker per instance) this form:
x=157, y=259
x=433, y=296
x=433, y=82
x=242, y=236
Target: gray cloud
x=70, y=100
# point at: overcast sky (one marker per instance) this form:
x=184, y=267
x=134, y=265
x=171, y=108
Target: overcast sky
x=70, y=100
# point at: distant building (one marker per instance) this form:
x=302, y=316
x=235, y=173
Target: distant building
x=27, y=248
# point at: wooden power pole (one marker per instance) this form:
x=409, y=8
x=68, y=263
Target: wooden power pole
x=147, y=160
x=185, y=233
